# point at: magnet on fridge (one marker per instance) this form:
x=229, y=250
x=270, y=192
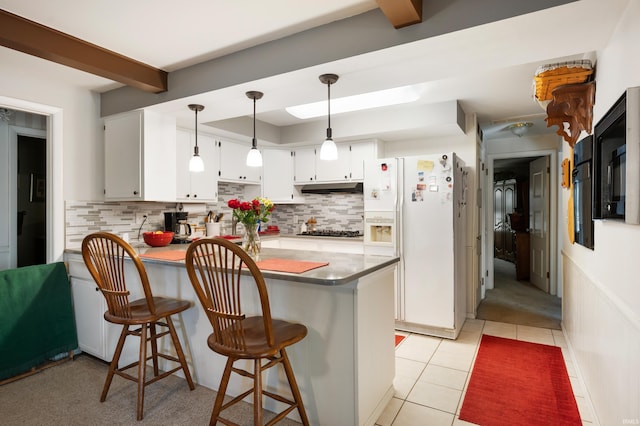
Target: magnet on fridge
x=433, y=188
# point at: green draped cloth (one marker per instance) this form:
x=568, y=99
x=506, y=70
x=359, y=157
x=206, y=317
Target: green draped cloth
x=36, y=317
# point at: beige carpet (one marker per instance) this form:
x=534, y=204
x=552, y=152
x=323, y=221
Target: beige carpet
x=69, y=394
x=519, y=302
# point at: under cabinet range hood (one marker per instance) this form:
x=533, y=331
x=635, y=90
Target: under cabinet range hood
x=327, y=188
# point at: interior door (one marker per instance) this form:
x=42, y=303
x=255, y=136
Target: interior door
x=539, y=222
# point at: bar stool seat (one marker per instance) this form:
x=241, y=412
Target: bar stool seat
x=104, y=255
x=214, y=267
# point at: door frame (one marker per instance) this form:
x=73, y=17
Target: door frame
x=55, y=222
x=553, y=215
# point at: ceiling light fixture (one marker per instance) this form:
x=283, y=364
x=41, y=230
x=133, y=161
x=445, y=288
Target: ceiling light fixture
x=520, y=128
x=196, y=164
x=388, y=97
x=254, y=158
x=328, y=150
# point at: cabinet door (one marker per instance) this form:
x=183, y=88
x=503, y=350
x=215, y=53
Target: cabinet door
x=332, y=171
x=123, y=156
x=277, y=179
x=305, y=165
x=196, y=187
x=233, y=166
x=184, y=151
x=204, y=186
x=136, y=163
x=89, y=307
x=359, y=153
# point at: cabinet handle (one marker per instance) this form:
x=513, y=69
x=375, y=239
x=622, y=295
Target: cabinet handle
x=195, y=195
x=187, y=196
x=135, y=192
x=97, y=288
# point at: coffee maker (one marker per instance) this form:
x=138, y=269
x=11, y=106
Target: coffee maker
x=176, y=222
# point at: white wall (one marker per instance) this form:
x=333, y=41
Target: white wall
x=601, y=314
x=74, y=135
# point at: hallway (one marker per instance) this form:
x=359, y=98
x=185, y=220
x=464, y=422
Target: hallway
x=519, y=302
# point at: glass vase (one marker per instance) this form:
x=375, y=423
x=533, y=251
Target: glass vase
x=251, y=241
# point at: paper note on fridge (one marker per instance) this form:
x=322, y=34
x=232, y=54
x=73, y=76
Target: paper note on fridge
x=426, y=165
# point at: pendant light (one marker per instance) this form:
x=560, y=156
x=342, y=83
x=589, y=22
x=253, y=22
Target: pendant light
x=196, y=164
x=254, y=158
x=328, y=150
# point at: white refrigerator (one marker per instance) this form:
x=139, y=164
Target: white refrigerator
x=415, y=207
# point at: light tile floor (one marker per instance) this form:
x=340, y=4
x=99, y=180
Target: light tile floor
x=432, y=373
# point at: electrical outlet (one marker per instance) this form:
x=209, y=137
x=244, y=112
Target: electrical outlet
x=140, y=217
x=295, y=219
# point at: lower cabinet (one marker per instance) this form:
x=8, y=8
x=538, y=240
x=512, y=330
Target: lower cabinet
x=96, y=336
x=88, y=302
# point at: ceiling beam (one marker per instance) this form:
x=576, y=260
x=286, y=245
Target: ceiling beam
x=402, y=13
x=35, y=39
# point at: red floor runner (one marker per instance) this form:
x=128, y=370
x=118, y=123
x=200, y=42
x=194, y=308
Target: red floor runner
x=515, y=382
x=399, y=339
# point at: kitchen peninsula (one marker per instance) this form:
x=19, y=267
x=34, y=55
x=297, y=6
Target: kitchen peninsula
x=345, y=365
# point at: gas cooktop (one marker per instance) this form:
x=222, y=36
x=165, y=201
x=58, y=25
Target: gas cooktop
x=331, y=233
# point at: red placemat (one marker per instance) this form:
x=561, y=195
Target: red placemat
x=174, y=255
x=286, y=265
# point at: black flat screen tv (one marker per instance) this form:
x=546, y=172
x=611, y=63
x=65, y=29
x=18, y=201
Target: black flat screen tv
x=616, y=145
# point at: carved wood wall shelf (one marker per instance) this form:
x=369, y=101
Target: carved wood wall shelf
x=572, y=104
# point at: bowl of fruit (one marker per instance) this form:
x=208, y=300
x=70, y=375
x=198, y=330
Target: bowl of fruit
x=158, y=238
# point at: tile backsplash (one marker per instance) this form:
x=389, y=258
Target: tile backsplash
x=335, y=211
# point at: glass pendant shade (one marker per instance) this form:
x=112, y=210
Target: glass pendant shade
x=328, y=150
x=196, y=164
x=254, y=158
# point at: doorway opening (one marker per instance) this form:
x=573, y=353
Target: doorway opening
x=516, y=294
x=44, y=122
x=31, y=200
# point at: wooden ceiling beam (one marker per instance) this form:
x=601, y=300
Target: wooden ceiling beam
x=38, y=40
x=402, y=13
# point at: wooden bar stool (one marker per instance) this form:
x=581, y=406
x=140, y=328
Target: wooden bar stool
x=214, y=267
x=104, y=255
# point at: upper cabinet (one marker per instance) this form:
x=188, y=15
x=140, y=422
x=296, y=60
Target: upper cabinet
x=334, y=171
x=304, y=164
x=196, y=187
x=233, y=166
x=361, y=151
x=348, y=167
x=137, y=167
x=277, y=176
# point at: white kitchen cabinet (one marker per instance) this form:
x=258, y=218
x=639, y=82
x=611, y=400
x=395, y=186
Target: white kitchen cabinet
x=196, y=187
x=96, y=336
x=277, y=176
x=87, y=302
x=336, y=170
x=139, y=157
x=304, y=164
x=348, y=167
x=359, y=152
x=233, y=163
